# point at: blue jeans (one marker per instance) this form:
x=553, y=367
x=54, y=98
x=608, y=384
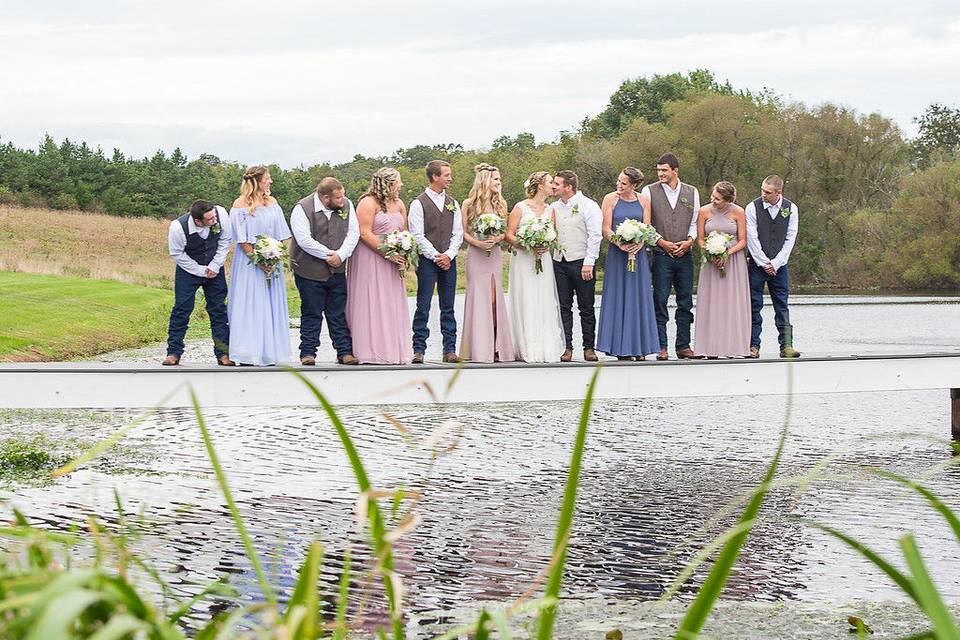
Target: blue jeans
x=779, y=287
x=319, y=299
x=430, y=277
x=185, y=287
x=673, y=273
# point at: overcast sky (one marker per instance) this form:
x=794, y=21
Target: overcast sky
x=298, y=82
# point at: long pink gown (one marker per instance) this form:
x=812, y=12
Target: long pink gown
x=481, y=338
x=377, y=311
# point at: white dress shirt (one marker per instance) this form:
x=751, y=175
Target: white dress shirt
x=672, y=196
x=753, y=239
x=592, y=216
x=300, y=228
x=177, y=242
x=415, y=222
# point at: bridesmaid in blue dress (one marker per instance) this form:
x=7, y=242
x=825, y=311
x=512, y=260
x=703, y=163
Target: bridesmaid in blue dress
x=258, y=314
x=628, y=327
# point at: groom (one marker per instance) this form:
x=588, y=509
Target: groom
x=434, y=220
x=579, y=222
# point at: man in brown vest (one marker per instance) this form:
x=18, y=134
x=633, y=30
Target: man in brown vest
x=673, y=206
x=325, y=233
x=434, y=220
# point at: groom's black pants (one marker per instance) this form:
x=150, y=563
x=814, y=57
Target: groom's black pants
x=569, y=281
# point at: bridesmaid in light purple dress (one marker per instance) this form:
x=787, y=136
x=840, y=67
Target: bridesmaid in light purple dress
x=486, y=333
x=377, y=310
x=723, y=302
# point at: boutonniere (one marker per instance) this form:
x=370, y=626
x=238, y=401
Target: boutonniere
x=784, y=212
x=451, y=207
x=216, y=228
x=575, y=210
x=684, y=202
x=344, y=213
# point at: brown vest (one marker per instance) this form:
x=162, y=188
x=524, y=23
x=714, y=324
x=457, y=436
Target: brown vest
x=330, y=233
x=672, y=223
x=437, y=224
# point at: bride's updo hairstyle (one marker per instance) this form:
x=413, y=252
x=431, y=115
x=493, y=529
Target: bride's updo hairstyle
x=482, y=197
x=532, y=185
x=381, y=184
x=252, y=191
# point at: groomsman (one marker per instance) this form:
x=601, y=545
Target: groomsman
x=198, y=242
x=673, y=206
x=325, y=233
x=579, y=222
x=434, y=220
x=772, y=224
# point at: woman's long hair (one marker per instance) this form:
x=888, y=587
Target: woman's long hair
x=251, y=188
x=482, y=197
x=380, y=184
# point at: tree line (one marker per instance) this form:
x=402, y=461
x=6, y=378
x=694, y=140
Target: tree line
x=877, y=209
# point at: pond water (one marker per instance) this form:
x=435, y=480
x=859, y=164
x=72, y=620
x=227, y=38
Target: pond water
x=656, y=480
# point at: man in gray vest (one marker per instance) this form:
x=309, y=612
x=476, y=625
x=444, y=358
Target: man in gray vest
x=198, y=242
x=434, y=220
x=579, y=230
x=772, y=224
x=325, y=233
x=673, y=206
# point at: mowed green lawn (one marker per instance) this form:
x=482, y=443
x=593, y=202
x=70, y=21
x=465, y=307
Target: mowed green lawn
x=46, y=318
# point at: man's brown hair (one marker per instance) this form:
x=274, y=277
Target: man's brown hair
x=570, y=179
x=327, y=186
x=435, y=168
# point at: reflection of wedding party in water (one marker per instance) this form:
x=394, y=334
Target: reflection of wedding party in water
x=349, y=263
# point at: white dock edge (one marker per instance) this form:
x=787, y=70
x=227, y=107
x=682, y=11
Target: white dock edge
x=68, y=385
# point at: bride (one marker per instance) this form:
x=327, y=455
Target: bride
x=534, y=306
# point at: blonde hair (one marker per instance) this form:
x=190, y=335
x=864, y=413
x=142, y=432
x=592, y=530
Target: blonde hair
x=482, y=197
x=252, y=192
x=726, y=190
x=532, y=184
x=380, y=183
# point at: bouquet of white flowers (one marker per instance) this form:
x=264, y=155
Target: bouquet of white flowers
x=271, y=252
x=487, y=225
x=715, y=246
x=401, y=243
x=632, y=231
x=535, y=232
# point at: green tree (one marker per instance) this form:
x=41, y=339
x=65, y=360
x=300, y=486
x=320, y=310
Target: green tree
x=939, y=135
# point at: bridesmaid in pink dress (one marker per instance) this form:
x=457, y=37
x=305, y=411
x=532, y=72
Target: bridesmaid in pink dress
x=486, y=333
x=377, y=310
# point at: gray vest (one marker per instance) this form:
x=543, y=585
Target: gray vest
x=330, y=233
x=772, y=232
x=437, y=224
x=673, y=223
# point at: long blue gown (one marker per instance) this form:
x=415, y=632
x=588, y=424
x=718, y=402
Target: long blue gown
x=258, y=314
x=628, y=326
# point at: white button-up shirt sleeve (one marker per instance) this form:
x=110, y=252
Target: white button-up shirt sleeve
x=692, y=232
x=177, y=242
x=593, y=221
x=300, y=228
x=753, y=238
x=456, y=237
x=223, y=244
x=353, y=234
x=415, y=222
x=793, y=225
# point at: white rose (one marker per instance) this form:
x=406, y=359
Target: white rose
x=551, y=235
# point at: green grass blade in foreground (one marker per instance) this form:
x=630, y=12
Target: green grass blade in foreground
x=929, y=598
x=382, y=548
x=565, y=521
x=905, y=584
x=231, y=504
x=305, y=594
x=934, y=501
x=340, y=631
x=120, y=627
x=700, y=608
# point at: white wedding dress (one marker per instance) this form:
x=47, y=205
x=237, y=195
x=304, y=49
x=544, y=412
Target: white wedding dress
x=534, y=306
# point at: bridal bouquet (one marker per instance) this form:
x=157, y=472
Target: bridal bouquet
x=716, y=246
x=487, y=225
x=632, y=231
x=401, y=243
x=271, y=252
x=535, y=232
